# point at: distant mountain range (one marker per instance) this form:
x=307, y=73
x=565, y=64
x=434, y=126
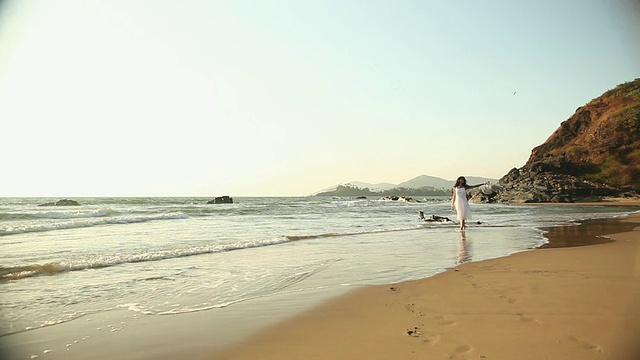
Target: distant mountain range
x=420, y=185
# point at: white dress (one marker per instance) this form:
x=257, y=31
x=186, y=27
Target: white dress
x=462, y=205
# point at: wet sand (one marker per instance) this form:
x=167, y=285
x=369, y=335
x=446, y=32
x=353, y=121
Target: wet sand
x=589, y=232
x=553, y=303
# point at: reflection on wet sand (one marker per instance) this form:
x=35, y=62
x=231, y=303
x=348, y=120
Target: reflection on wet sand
x=589, y=232
x=464, y=253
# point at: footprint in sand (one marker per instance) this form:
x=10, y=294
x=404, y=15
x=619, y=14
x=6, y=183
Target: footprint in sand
x=527, y=319
x=410, y=307
x=441, y=320
x=509, y=300
x=427, y=338
x=496, y=266
x=430, y=338
x=414, y=332
x=471, y=279
x=586, y=344
x=461, y=350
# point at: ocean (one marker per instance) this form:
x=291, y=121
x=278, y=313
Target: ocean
x=169, y=256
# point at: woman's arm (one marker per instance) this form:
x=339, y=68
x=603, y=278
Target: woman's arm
x=453, y=197
x=473, y=186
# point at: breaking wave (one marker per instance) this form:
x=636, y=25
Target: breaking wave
x=31, y=270
x=66, y=221
x=27, y=271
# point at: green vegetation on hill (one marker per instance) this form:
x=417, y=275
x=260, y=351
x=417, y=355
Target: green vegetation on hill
x=600, y=142
x=618, y=164
x=594, y=153
x=351, y=190
x=629, y=89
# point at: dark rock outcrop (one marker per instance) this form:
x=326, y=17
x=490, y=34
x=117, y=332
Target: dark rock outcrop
x=433, y=218
x=400, y=198
x=63, y=202
x=221, y=200
x=593, y=154
x=531, y=187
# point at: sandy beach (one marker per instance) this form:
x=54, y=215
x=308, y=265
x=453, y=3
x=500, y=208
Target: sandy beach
x=561, y=301
x=554, y=303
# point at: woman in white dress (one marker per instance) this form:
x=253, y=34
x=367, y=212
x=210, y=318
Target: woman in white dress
x=459, y=200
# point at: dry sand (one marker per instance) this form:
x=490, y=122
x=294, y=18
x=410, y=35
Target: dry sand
x=566, y=303
x=560, y=303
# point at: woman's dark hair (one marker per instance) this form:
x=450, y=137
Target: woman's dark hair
x=461, y=182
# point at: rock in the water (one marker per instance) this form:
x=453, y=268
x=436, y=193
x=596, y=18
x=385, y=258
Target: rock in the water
x=400, y=198
x=221, y=200
x=63, y=202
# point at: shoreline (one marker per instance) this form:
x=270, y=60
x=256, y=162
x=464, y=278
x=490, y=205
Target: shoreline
x=599, y=202
x=210, y=334
x=574, y=302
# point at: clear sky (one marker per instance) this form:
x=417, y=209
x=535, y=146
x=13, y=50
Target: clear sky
x=243, y=98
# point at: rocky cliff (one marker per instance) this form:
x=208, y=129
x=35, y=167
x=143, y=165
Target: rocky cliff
x=594, y=153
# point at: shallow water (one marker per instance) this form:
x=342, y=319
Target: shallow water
x=164, y=256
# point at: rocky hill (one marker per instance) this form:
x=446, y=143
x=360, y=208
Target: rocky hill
x=352, y=190
x=418, y=186
x=594, y=153
x=440, y=183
